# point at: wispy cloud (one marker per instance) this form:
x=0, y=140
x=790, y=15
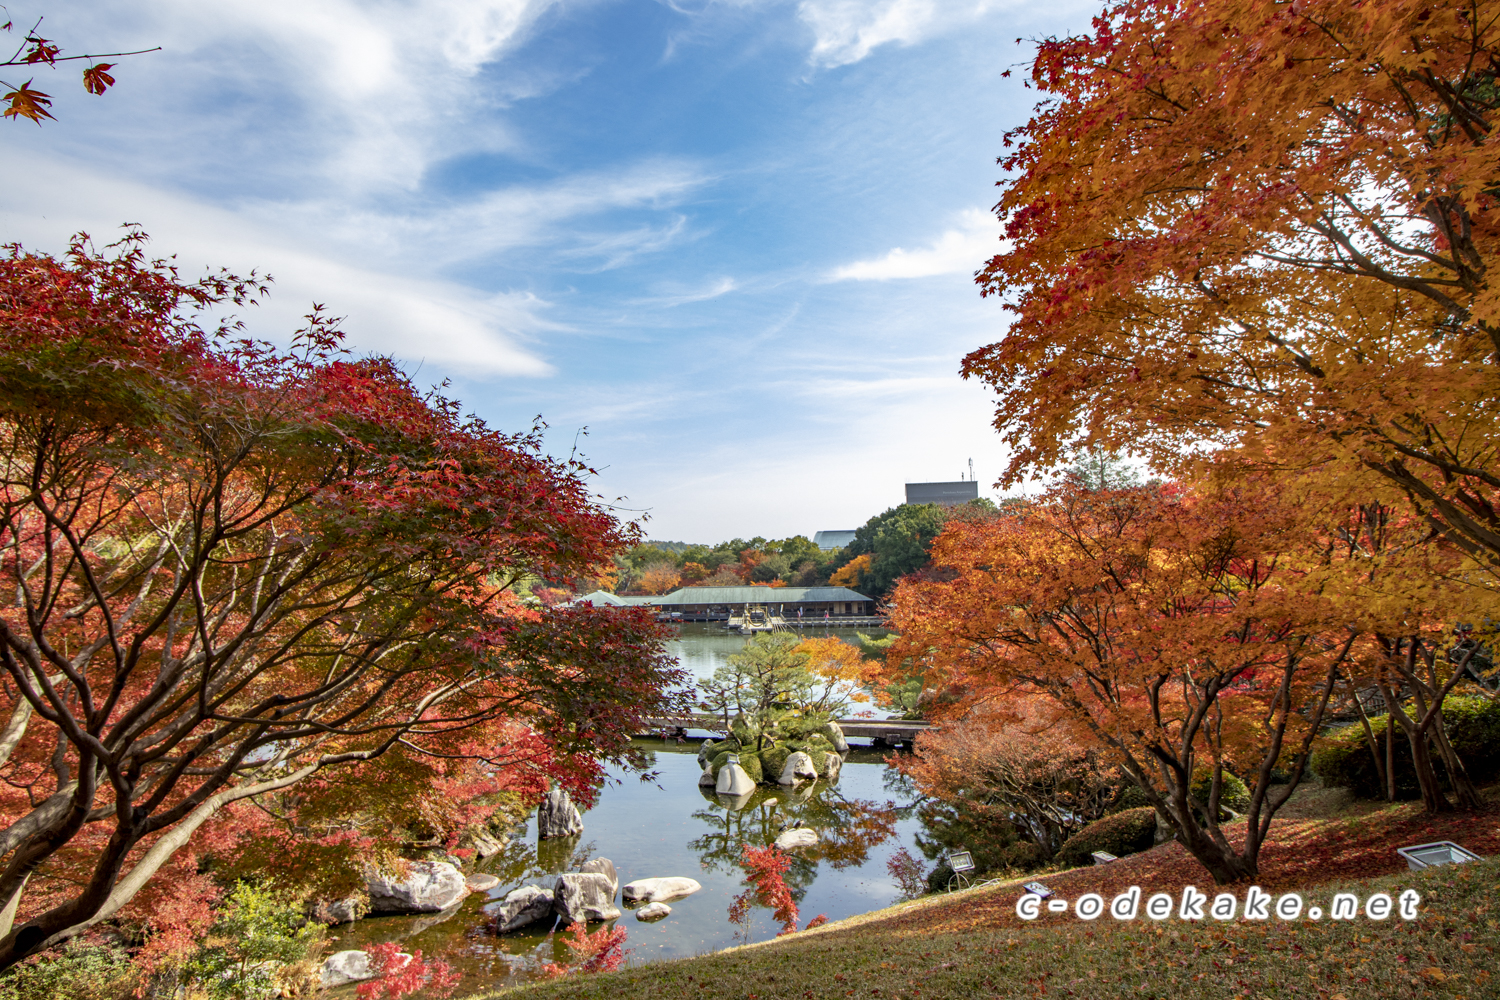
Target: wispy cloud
x=846, y=31
x=962, y=249
x=413, y=317
x=670, y=298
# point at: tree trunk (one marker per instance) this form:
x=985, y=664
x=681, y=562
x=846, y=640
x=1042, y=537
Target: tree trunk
x=1390, y=757
x=1463, y=789
x=1433, y=799
x=1371, y=741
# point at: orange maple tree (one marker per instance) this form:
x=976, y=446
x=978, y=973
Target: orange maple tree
x=1166, y=625
x=1263, y=225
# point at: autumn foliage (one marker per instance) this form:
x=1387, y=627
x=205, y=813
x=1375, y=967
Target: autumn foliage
x=1262, y=226
x=262, y=603
x=602, y=950
x=1168, y=627
x=765, y=870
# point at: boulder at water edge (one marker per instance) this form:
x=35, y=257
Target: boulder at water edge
x=427, y=887
x=733, y=780
x=706, y=779
x=832, y=765
x=581, y=897
x=653, y=911
x=798, y=767
x=481, y=882
x=605, y=867
x=337, y=911
x=801, y=837
x=703, y=753
x=352, y=966
x=345, y=967
x=557, y=816
x=520, y=908
x=836, y=737
x=653, y=890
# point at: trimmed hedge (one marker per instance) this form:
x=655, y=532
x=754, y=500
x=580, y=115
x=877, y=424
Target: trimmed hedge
x=1121, y=834
x=1342, y=758
x=1232, y=791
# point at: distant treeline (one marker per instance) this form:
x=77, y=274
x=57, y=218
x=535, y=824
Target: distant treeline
x=886, y=547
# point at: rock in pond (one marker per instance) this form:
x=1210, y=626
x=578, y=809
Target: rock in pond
x=481, y=882
x=653, y=911
x=832, y=765
x=836, y=737
x=520, y=908
x=706, y=779
x=428, y=887
x=581, y=897
x=483, y=842
x=605, y=867
x=654, y=890
x=733, y=780
x=800, y=837
x=557, y=816
x=798, y=767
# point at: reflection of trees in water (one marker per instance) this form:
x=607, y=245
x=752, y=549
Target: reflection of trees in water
x=847, y=828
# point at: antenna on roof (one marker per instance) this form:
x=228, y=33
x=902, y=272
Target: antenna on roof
x=971, y=470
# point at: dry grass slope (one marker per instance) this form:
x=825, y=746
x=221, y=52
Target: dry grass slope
x=972, y=944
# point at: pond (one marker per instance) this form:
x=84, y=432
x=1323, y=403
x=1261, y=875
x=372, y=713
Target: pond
x=669, y=826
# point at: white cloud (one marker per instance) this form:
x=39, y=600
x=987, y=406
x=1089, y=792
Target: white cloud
x=415, y=318
x=845, y=31
x=964, y=249
x=372, y=91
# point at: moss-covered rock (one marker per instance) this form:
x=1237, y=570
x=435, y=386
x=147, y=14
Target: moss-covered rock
x=1121, y=834
x=773, y=760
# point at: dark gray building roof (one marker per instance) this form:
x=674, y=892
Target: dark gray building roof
x=753, y=595
x=828, y=540
x=943, y=493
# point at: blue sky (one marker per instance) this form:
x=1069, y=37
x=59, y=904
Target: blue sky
x=735, y=240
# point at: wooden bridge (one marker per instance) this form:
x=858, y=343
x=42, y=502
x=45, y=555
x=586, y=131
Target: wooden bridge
x=880, y=732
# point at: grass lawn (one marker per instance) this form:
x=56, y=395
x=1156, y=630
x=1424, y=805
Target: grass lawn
x=972, y=944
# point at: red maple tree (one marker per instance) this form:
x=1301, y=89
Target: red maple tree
x=258, y=581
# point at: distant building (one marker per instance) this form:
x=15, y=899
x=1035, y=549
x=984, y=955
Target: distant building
x=713, y=603
x=947, y=494
x=830, y=540
x=721, y=602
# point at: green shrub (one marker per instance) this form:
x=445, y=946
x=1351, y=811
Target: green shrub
x=77, y=971
x=937, y=879
x=1121, y=834
x=819, y=755
x=258, y=930
x=1128, y=797
x=1342, y=757
x=1232, y=791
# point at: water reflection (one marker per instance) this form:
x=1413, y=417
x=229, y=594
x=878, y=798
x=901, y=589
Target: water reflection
x=672, y=827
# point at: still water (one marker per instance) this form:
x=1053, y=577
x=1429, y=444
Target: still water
x=668, y=826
